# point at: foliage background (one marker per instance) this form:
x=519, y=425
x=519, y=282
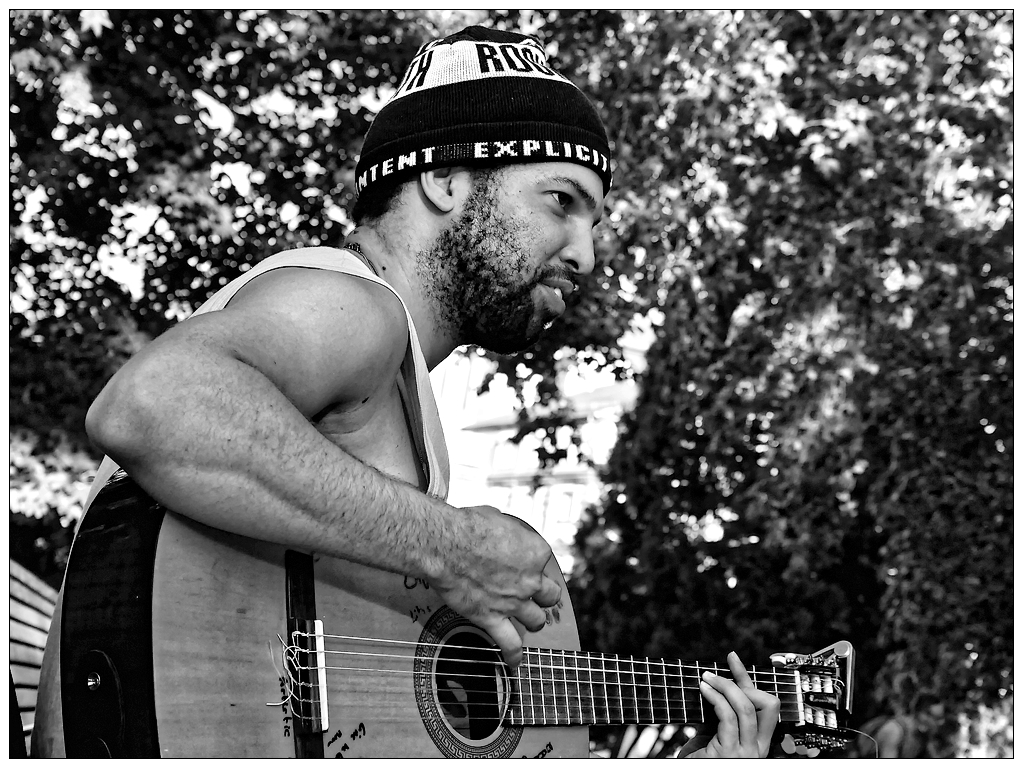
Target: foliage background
x=814, y=210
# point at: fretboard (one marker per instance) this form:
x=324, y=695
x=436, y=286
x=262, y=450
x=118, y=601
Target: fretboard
x=556, y=687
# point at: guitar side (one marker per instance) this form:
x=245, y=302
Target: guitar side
x=154, y=651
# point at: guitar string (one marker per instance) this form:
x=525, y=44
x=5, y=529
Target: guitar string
x=585, y=709
x=585, y=705
x=773, y=677
x=669, y=685
x=654, y=703
x=287, y=679
x=628, y=702
x=577, y=655
x=669, y=679
x=787, y=706
x=515, y=714
x=522, y=709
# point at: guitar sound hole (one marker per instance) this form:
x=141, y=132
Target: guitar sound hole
x=470, y=685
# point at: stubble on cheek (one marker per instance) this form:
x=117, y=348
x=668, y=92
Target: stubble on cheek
x=480, y=277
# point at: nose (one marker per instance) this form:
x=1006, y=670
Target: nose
x=578, y=255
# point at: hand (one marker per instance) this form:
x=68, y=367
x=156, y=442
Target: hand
x=746, y=716
x=503, y=572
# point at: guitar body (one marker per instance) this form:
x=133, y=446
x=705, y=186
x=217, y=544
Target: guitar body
x=171, y=642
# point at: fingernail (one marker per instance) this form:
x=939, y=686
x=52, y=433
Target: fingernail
x=709, y=675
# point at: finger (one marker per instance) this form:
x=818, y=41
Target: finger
x=532, y=616
x=749, y=721
x=728, y=724
x=549, y=593
x=768, y=707
x=504, y=634
x=739, y=673
x=768, y=717
x=741, y=710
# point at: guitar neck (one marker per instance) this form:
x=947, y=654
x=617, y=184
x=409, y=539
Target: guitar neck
x=555, y=687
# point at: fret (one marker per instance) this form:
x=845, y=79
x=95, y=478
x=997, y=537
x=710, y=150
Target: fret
x=592, y=690
x=645, y=694
x=526, y=667
x=546, y=688
x=573, y=698
x=601, y=708
x=584, y=675
x=562, y=714
x=614, y=687
x=699, y=679
x=659, y=708
x=644, y=683
x=629, y=694
x=658, y=692
x=533, y=669
x=586, y=708
x=693, y=695
x=515, y=701
x=515, y=698
x=637, y=712
x=518, y=708
x=777, y=692
x=678, y=695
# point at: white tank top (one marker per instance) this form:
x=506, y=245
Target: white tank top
x=413, y=383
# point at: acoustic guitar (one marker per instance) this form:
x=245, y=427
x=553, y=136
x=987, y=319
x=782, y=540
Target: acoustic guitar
x=177, y=640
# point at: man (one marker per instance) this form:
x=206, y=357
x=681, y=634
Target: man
x=295, y=405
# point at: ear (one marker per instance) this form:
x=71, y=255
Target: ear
x=445, y=188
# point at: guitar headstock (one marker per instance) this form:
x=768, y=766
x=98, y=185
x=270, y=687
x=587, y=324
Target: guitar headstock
x=824, y=696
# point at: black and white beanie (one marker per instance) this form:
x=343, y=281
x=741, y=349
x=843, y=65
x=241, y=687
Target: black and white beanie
x=482, y=97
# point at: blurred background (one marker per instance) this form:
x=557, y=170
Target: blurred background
x=778, y=415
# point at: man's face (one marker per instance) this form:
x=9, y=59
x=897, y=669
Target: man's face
x=500, y=271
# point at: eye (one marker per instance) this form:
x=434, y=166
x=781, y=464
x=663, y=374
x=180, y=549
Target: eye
x=563, y=199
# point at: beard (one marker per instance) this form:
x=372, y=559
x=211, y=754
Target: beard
x=478, y=276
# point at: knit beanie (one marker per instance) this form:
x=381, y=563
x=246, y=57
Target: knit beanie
x=482, y=97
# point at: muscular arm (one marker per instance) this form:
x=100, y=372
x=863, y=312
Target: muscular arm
x=213, y=419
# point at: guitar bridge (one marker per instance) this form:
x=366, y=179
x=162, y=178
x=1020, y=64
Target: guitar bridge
x=305, y=660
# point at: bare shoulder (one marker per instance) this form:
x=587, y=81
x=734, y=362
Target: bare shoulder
x=321, y=336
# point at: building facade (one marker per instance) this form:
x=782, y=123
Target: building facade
x=488, y=468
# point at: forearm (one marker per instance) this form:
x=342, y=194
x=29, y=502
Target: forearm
x=222, y=445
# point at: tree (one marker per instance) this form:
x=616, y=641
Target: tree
x=820, y=211
x=154, y=156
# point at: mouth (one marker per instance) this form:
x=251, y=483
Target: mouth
x=555, y=290
x=559, y=286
